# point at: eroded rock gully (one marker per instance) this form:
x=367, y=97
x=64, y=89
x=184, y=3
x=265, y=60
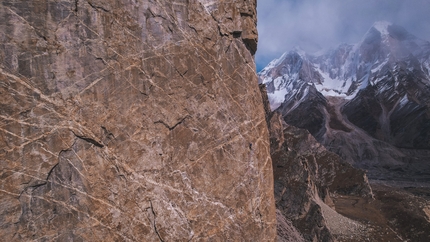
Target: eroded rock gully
x=307, y=176
x=132, y=121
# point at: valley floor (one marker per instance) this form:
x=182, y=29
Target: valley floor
x=400, y=211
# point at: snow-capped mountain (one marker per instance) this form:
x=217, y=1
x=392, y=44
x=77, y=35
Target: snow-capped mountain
x=344, y=71
x=365, y=101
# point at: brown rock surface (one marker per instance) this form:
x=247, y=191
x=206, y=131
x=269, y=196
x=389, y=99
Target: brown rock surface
x=132, y=121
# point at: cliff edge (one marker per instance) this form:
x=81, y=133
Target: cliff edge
x=132, y=121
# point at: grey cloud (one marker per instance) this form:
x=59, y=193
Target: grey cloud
x=321, y=24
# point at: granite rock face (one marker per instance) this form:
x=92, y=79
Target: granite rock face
x=132, y=121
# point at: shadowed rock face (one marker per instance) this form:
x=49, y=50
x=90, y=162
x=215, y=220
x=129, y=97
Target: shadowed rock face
x=308, y=113
x=395, y=110
x=306, y=175
x=132, y=121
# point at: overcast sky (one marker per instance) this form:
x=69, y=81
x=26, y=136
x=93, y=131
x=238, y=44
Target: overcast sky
x=321, y=24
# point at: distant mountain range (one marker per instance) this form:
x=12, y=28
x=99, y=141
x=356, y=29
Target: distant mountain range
x=368, y=102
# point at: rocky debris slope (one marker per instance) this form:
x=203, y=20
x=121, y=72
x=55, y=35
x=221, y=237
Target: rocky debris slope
x=368, y=102
x=286, y=230
x=132, y=121
x=306, y=176
x=398, y=213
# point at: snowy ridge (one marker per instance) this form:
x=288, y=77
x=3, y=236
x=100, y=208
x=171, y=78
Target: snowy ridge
x=271, y=65
x=283, y=85
x=368, y=102
x=382, y=27
x=344, y=71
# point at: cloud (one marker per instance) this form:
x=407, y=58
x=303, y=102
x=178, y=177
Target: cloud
x=321, y=24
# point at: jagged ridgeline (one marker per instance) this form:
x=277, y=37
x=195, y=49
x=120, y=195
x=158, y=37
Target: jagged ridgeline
x=367, y=102
x=362, y=106
x=132, y=121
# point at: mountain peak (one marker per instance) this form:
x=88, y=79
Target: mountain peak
x=297, y=49
x=382, y=27
x=383, y=31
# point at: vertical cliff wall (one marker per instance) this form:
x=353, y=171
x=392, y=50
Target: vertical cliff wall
x=132, y=121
